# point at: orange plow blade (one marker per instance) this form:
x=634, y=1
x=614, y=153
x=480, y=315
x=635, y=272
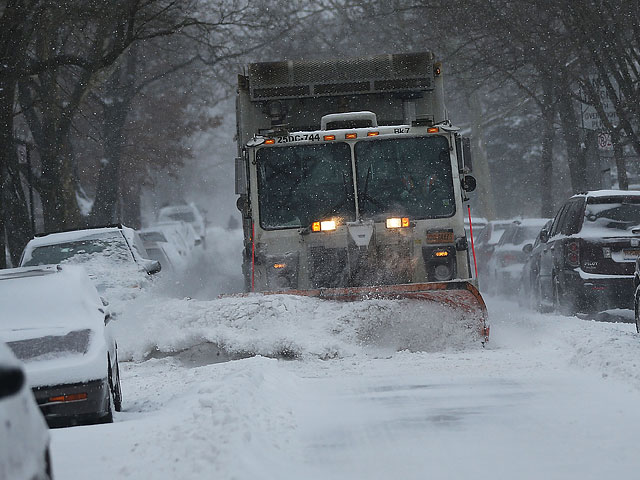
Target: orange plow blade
x=461, y=296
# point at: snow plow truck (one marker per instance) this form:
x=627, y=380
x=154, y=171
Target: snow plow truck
x=352, y=182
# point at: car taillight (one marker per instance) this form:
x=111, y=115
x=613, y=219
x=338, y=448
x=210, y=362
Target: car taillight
x=573, y=253
x=507, y=259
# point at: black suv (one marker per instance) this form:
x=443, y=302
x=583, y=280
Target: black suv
x=588, y=260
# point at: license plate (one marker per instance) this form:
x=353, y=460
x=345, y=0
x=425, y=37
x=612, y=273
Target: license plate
x=631, y=254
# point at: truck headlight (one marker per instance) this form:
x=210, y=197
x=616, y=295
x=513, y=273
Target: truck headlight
x=324, y=226
x=397, y=222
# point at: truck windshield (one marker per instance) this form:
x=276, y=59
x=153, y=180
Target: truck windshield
x=405, y=177
x=302, y=184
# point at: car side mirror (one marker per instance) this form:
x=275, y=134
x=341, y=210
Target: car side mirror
x=11, y=381
x=544, y=236
x=469, y=183
x=152, y=267
x=527, y=248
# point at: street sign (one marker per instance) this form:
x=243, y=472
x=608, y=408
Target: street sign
x=604, y=141
x=590, y=118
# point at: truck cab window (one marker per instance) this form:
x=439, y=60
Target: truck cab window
x=304, y=183
x=405, y=176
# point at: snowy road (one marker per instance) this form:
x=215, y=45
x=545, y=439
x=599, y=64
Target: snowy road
x=550, y=397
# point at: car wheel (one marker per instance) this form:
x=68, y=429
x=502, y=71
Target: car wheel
x=114, y=386
x=48, y=475
x=117, y=389
x=561, y=303
x=636, y=308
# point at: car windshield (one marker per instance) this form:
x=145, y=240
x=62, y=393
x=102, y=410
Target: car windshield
x=613, y=214
x=304, y=183
x=80, y=251
x=52, y=346
x=184, y=216
x=153, y=237
x=408, y=176
x=524, y=234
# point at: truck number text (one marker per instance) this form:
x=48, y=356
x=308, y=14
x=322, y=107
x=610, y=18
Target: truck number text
x=310, y=137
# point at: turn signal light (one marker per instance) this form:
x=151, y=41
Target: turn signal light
x=279, y=266
x=433, y=130
x=73, y=397
x=269, y=141
x=397, y=222
x=324, y=226
x=441, y=253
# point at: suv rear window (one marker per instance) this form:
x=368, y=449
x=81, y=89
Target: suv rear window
x=611, y=215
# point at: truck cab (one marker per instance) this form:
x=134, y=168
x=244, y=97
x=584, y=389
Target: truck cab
x=345, y=188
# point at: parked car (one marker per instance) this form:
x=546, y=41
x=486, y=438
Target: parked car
x=113, y=256
x=504, y=269
x=182, y=230
x=477, y=224
x=529, y=281
x=588, y=261
x=24, y=435
x=484, y=244
x=188, y=213
x=636, y=294
x=158, y=251
x=56, y=323
x=154, y=238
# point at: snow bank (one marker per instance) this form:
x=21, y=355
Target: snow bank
x=288, y=326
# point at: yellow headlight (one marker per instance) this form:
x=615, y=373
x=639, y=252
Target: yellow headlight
x=398, y=222
x=328, y=225
x=394, y=222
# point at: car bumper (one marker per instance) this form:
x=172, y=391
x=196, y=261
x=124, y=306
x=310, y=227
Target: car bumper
x=69, y=411
x=601, y=291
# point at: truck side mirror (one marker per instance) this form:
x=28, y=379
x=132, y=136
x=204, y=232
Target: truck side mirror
x=241, y=177
x=466, y=150
x=469, y=183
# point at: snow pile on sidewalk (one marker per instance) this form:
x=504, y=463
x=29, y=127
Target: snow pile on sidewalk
x=289, y=326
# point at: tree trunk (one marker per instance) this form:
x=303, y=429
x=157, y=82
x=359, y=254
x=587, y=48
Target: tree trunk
x=119, y=92
x=480, y=161
x=621, y=167
x=576, y=154
x=546, y=159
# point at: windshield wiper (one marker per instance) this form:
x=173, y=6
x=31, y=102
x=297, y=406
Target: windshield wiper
x=362, y=198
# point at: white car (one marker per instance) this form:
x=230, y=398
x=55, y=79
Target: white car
x=55, y=322
x=188, y=213
x=114, y=257
x=24, y=435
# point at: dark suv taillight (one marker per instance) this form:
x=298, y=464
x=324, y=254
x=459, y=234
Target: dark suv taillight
x=572, y=253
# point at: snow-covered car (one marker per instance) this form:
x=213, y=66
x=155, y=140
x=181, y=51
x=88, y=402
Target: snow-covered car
x=530, y=283
x=504, y=268
x=154, y=238
x=484, y=244
x=24, y=435
x=55, y=322
x=188, y=213
x=159, y=251
x=113, y=256
x=185, y=230
x=589, y=257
